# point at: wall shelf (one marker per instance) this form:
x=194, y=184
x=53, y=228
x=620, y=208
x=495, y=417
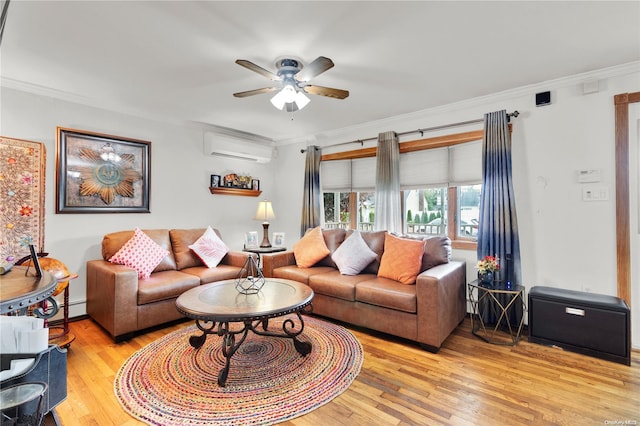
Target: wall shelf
x=234, y=191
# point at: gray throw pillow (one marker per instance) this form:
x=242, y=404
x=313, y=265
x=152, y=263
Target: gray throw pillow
x=353, y=255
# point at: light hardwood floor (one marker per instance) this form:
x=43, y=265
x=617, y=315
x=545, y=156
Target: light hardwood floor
x=469, y=382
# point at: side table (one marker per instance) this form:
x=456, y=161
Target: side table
x=497, y=312
x=261, y=250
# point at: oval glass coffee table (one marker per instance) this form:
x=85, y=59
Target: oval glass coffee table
x=214, y=306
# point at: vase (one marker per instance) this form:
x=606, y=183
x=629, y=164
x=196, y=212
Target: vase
x=485, y=278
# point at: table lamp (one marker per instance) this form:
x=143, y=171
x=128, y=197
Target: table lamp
x=265, y=213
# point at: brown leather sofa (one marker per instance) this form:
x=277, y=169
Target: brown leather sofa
x=426, y=312
x=123, y=304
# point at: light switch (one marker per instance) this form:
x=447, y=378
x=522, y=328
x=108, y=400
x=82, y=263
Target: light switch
x=595, y=193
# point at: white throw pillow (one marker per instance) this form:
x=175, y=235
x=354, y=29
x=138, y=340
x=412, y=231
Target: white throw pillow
x=353, y=255
x=210, y=248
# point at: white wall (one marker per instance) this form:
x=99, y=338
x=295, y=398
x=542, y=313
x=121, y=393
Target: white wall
x=180, y=174
x=565, y=242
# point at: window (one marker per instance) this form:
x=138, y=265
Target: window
x=426, y=211
x=341, y=212
x=468, y=210
x=336, y=210
x=440, y=182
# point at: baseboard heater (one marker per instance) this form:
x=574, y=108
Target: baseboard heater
x=592, y=324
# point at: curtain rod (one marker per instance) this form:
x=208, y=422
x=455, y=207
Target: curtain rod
x=421, y=131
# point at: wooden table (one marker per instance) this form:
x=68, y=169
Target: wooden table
x=215, y=305
x=19, y=291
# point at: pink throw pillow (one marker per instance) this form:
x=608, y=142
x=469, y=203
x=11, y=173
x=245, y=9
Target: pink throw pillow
x=140, y=253
x=210, y=248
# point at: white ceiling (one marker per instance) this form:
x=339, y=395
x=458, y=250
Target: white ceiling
x=174, y=60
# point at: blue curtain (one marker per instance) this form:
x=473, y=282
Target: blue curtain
x=387, y=209
x=498, y=227
x=312, y=193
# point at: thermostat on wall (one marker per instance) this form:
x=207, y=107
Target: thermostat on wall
x=585, y=176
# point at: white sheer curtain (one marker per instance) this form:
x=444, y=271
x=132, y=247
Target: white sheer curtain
x=387, y=211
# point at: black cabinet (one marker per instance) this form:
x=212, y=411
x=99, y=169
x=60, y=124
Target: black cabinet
x=588, y=323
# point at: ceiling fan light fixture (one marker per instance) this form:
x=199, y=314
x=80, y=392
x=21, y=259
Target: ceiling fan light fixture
x=278, y=100
x=289, y=95
x=294, y=80
x=302, y=100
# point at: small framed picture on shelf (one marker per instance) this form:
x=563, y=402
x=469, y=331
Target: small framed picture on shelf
x=251, y=239
x=255, y=185
x=215, y=181
x=278, y=239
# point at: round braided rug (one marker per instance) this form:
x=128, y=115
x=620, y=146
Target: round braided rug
x=170, y=383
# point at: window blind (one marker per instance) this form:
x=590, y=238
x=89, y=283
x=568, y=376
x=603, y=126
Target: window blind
x=442, y=167
x=356, y=175
x=455, y=165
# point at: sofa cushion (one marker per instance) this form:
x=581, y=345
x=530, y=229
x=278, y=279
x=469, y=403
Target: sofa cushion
x=437, y=250
x=337, y=285
x=210, y=248
x=375, y=241
x=293, y=272
x=209, y=275
x=387, y=293
x=333, y=238
x=353, y=255
x=140, y=253
x=402, y=259
x=165, y=285
x=310, y=249
x=112, y=242
x=181, y=239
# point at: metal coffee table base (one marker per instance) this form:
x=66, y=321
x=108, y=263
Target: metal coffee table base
x=230, y=343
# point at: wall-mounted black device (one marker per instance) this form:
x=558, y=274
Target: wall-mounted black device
x=543, y=98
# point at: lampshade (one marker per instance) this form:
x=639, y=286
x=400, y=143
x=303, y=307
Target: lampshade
x=264, y=212
x=289, y=95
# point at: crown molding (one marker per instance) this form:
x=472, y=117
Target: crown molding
x=333, y=135
x=399, y=120
x=36, y=89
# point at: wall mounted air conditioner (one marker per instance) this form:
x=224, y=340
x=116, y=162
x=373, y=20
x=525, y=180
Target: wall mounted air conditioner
x=220, y=145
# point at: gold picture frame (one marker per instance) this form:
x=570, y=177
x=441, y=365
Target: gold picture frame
x=100, y=173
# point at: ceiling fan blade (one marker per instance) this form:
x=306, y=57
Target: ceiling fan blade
x=326, y=91
x=317, y=67
x=255, y=68
x=255, y=92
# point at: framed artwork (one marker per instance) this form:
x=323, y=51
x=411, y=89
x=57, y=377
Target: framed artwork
x=255, y=185
x=251, y=239
x=215, y=181
x=22, y=194
x=278, y=239
x=98, y=173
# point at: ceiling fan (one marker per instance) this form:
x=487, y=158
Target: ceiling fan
x=293, y=82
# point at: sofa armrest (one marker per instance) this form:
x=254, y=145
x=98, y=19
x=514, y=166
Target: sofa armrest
x=112, y=296
x=271, y=261
x=237, y=258
x=441, y=294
